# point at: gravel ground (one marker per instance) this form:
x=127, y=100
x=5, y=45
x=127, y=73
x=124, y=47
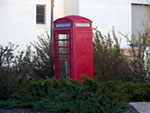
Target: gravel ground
x=131, y=110
x=20, y=111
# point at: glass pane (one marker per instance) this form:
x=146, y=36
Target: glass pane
x=62, y=43
x=63, y=63
x=63, y=36
x=62, y=46
x=63, y=50
x=62, y=57
x=40, y=14
x=62, y=76
x=63, y=70
x=40, y=19
x=40, y=10
x=68, y=70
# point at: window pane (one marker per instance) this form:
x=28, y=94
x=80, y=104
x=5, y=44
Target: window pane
x=63, y=70
x=40, y=19
x=63, y=50
x=40, y=9
x=40, y=14
x=62, y=43
x=63, y=36
x=62, y=57
x=63, y=63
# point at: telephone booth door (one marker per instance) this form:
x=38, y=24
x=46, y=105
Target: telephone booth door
x=62, y=54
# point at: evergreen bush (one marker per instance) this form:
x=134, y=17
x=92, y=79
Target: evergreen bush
x=69, y=96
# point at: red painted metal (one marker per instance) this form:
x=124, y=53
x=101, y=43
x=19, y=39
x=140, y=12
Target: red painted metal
x=73, y=35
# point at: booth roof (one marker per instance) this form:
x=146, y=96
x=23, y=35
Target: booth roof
x=74, y=17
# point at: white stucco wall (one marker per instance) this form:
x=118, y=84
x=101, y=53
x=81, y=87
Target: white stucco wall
x=107, y=14
x=140, y=1
x=71, y=7
x=17, y=22
x=59, y=9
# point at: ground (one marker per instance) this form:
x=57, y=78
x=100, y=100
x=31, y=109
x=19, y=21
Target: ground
x=131, y=110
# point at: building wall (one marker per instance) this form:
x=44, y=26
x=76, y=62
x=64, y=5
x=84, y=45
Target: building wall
x=59, y=9
x=18, y=21
x=140, y=18
x=71, y=7
x=107, y=14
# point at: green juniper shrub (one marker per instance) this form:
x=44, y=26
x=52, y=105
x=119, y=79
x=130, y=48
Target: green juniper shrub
x=86, y=97
x=68, y=95
x=137, y=92
x=26, y=96
x=63, y=95
x=60, y=96
x=112, y=96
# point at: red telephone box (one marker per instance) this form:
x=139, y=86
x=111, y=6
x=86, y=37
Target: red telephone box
x=73, y=48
